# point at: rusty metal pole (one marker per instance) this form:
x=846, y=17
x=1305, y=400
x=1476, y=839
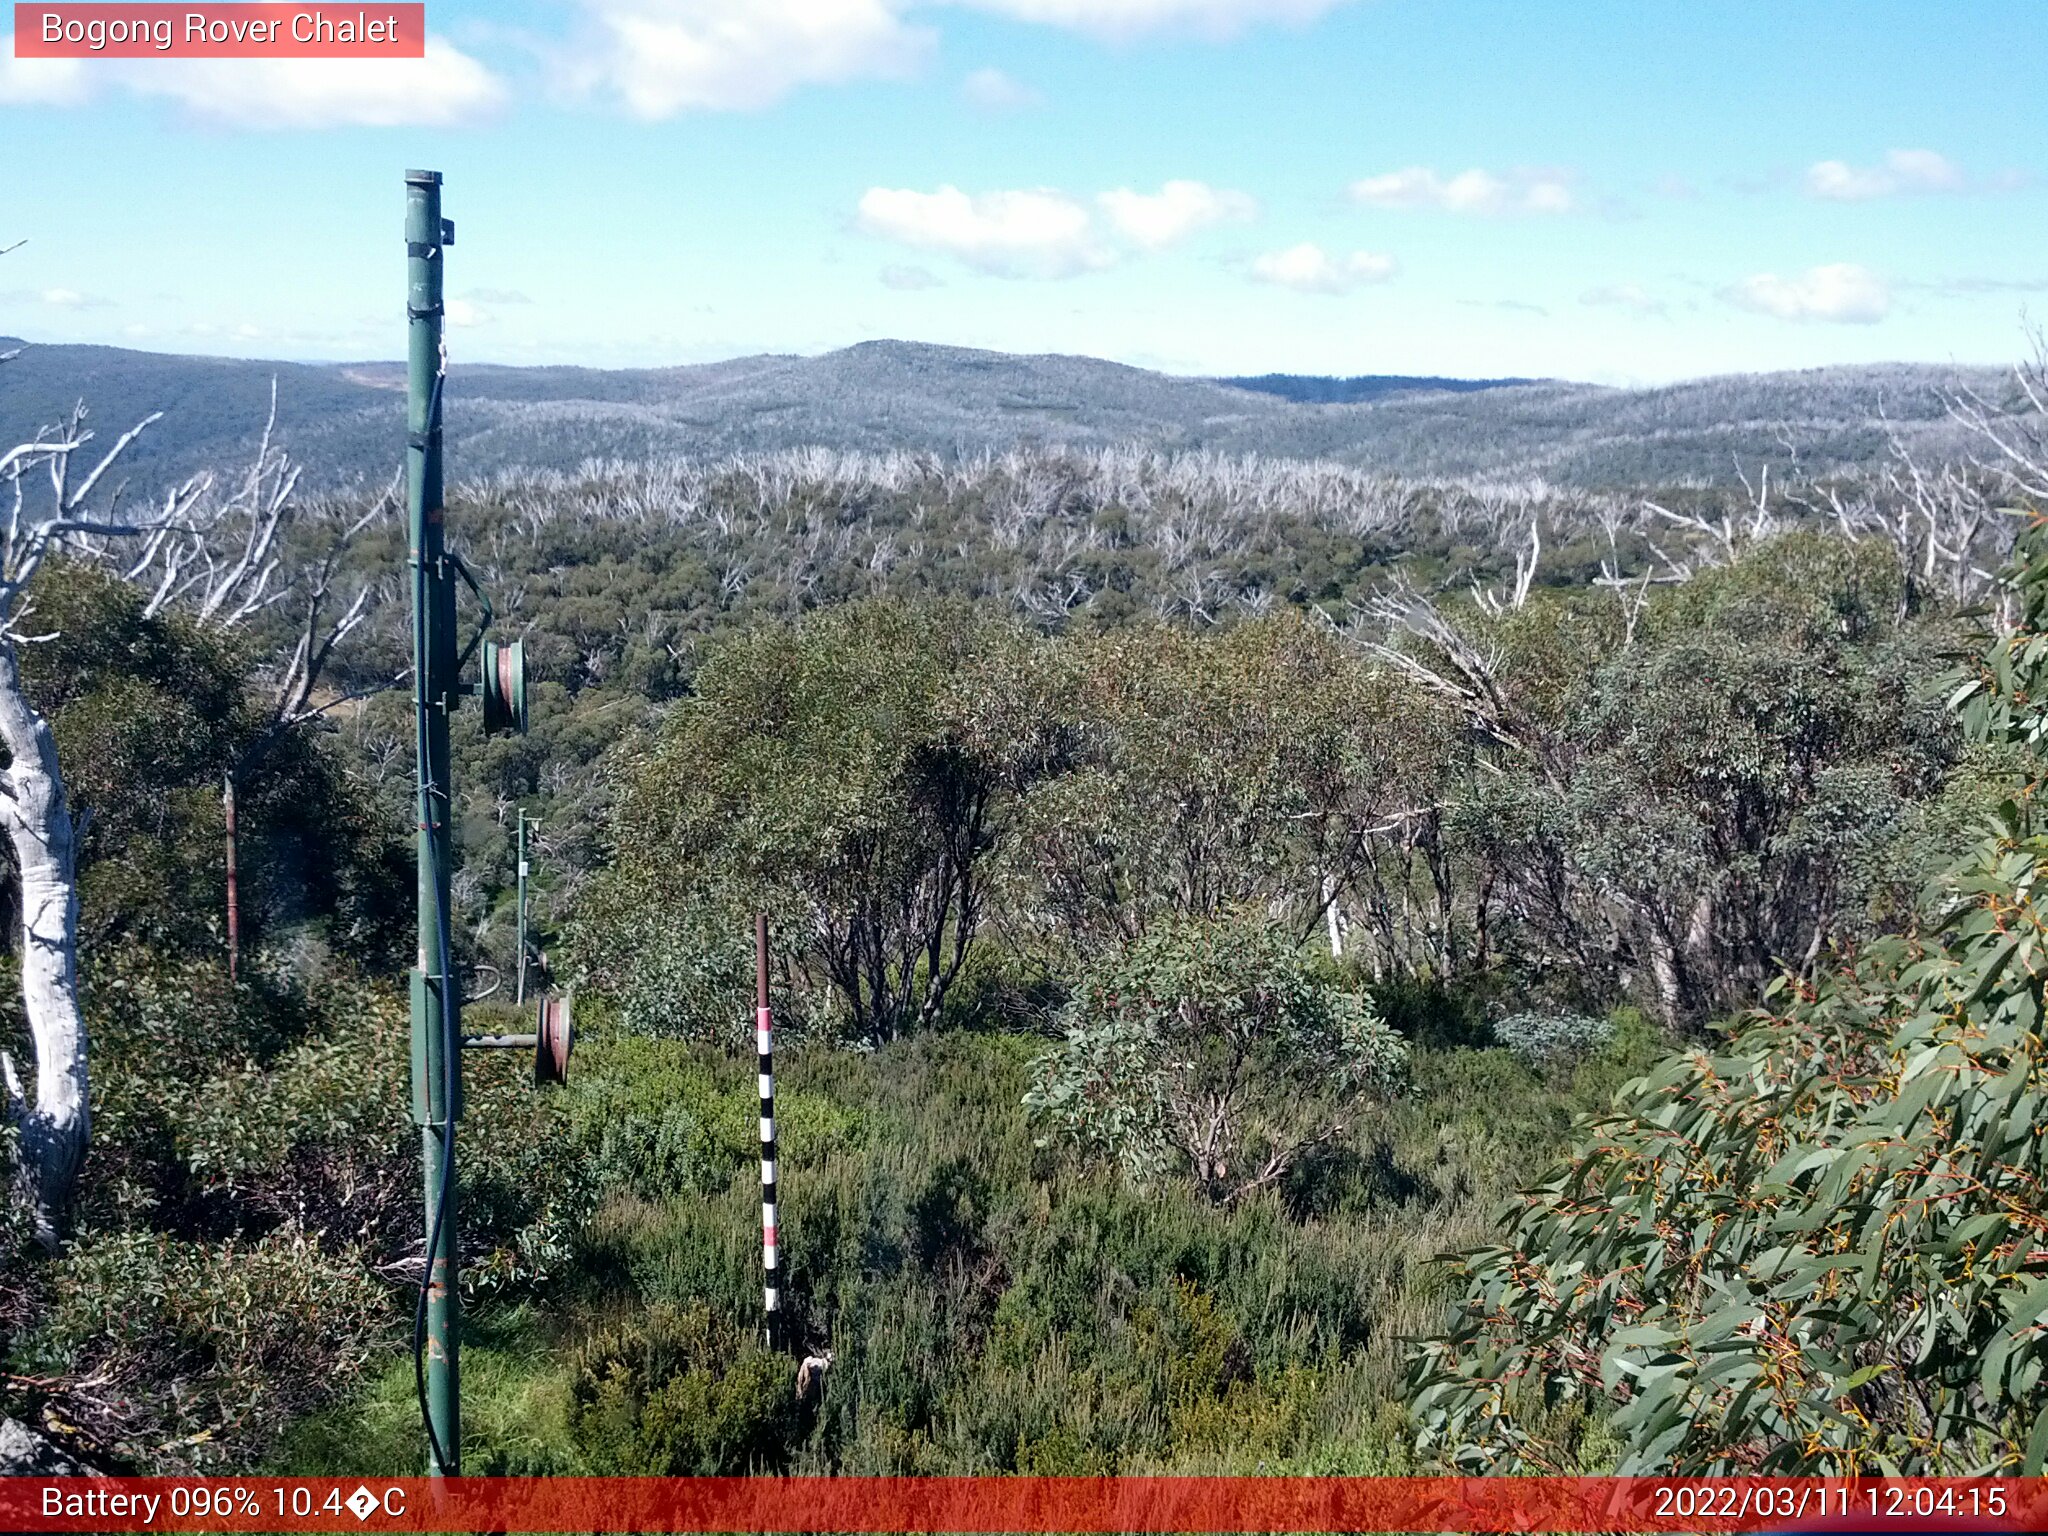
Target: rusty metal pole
x=764, y=1045
x=436, y=1020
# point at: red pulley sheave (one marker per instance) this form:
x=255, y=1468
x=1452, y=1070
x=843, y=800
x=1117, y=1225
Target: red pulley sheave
x=554, y=1035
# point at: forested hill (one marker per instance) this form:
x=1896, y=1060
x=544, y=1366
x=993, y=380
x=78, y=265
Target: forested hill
x=1321, y=389
x=342, y=421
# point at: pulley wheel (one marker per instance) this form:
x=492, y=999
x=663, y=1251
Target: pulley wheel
x=504, y=687
x=554, y=1035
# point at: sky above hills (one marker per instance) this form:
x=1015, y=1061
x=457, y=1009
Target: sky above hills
x=1597, y=189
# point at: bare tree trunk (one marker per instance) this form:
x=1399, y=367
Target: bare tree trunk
x=1482, y=910
x=38, y=821
x=227, y=805
x=1664, y=969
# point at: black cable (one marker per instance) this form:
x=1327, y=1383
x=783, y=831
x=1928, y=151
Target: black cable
x=451, y=1045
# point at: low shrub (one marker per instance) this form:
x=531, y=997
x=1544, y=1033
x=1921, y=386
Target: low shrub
x=1552, y=1039
x=197, y=1354
x=679, y=1393
x=1211, y=1046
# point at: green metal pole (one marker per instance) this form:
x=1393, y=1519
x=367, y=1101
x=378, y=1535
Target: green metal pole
x=435, y=1004
x=521, y=993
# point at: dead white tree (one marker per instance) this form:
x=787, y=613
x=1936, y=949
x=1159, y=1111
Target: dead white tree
x=53, y=1119
x=1456, y=661
x=1506, y=600
x=2012, y=438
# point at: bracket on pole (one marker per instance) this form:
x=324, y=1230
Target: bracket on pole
x=551, y=1042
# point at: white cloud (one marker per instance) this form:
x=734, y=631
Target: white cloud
x=1473, y=191
x=1903, y=171
x=1978, y=285
x=1132, y=18
x=445, y=87
x=663, y=57
x=655, y=58
x=1155, y=220
x=1308, y=268
x=55, y=298
x=1925, y=168
x=1632, y=297
x=1841, y=292
x=464, y=313
x=910, y=279
x=1038, y=233
x=40, y=82
x=1041, y=232
x=993, y=91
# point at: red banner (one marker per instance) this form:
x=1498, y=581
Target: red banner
x=1051, y=1504
x=99, y=31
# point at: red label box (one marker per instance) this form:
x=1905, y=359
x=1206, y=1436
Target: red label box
x=1069, y=1506
x=367, y=29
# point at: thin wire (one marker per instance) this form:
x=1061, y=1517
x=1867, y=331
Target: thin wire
x=449, y=1047
x=422, y=639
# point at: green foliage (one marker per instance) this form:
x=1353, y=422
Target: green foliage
x=1546, y=1038
x=245, y=1180
x=686, y=965
x=150, y=714
x=962, y=824
x=245, y=1133
x=1201, y=773
x=1437, y=1013
x=1663, y=809
x=994, y=1307
x=226, y=1109
x=180, y=1056
x=837, y=772
x=516, y=1400
x=1734, y=787
x=652, y=1117
x=1209, y=1046
x=1815, y=1247
x=675, y=1394
x=200, y=1351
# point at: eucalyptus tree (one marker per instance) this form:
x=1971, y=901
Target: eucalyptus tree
x=65, y=511
x=1211, y=1049
x=845, y=773
x=249, y=552
x=1262, y=766
x=1680, y=800
x=1814, y=1245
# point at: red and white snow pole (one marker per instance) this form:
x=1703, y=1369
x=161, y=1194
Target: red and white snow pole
x=764, y=1044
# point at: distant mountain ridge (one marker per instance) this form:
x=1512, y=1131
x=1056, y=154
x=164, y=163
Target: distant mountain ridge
x=1326, y=389
x=344, y=420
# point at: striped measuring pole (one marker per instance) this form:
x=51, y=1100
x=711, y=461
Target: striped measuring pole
x=764, y=1044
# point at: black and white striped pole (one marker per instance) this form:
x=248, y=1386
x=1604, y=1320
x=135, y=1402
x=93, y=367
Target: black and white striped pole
x=764, y=1044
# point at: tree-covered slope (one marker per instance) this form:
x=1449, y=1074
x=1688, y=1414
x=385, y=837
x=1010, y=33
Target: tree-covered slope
x=344, y=420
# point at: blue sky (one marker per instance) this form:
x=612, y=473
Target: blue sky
x=1621, y=192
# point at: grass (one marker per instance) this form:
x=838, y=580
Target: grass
x=515, y=1409
x=993, y=1307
